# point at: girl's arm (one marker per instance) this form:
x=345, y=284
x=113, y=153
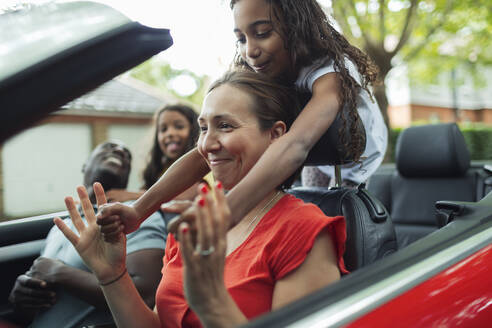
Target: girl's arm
x=186, y=171
x=123, y=195
x=288, y=153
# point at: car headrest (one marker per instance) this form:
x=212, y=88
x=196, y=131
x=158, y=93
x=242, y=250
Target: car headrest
x=437, y=150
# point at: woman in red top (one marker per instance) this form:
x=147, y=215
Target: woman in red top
x=280, y=251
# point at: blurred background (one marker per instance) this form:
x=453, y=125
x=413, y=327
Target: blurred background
x=434, y=56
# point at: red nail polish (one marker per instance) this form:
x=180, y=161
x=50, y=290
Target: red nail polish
x=201, y=202
x=219, y=185
x=204, y=188
x=186, y=229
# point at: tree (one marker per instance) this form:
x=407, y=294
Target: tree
x=160, y=74
x=463, y=43
x=417, y=31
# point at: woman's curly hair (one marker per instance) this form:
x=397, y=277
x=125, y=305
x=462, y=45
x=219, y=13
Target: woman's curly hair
x=309, y=37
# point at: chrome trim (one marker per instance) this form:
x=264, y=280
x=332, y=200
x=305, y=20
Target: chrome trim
x=352, y=307
x=22, y=250
x=42, y=217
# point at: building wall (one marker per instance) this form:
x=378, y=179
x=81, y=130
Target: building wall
x=403, y=116
x=137, y=140
x=431, y=114
x=487, y=116
x=42, y=165
x=399, y=116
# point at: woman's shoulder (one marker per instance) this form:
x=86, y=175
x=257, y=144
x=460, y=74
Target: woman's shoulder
x=293, y=205
x=294, y=231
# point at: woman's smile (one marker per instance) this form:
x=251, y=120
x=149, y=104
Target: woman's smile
x=230, y=140
x=218, y=161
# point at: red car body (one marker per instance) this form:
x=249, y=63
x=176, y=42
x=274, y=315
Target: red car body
x=460, y=296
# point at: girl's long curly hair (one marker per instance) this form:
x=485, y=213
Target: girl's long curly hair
x=309, y=37
x=157, y=161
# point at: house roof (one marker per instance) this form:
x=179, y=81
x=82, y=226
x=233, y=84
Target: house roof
x=122, y=96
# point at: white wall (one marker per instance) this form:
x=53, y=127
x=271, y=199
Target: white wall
x=41, y=166
x=136, y=138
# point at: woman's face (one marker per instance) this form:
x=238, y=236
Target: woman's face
x=230, y=138
x=259, y=44
x=173, y=131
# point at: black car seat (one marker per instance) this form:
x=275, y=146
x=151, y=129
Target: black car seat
x=370, y=232
x=432, y=163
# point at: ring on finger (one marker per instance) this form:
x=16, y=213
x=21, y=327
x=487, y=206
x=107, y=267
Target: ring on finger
x=207, y=252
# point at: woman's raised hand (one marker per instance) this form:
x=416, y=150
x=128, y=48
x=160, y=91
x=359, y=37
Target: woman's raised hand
x=105, y=259
x=204, y=258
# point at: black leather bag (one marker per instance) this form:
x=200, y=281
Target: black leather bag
x=370, y=232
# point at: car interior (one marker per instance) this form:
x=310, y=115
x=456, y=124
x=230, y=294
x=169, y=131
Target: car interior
x=432, y=164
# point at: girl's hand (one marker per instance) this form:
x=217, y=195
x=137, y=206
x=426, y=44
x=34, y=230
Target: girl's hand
x=106, y=260
x=186, y=213
x=176, y=206
x=204, y=260
x=116, y=217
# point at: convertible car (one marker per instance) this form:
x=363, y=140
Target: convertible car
x=419, y=234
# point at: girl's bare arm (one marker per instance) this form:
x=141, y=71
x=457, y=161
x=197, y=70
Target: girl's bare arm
x=185, y=172
x=289, y=152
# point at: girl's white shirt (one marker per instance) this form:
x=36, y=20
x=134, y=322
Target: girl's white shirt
x=376, y=131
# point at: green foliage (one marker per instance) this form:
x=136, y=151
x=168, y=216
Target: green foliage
x=393, y=134
x=478, y=139
x=160, y=74
x=441, y=33
x=430, y=36
x=464, y=41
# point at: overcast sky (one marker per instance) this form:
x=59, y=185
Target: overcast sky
x=201, y=29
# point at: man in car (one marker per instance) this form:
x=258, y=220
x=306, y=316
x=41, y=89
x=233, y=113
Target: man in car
x=58, y=290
